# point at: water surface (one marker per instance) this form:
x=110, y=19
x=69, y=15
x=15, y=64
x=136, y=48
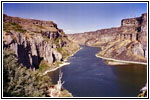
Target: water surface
x=89, y=76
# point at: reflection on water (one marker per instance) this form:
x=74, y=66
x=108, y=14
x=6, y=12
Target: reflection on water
x=89, y=76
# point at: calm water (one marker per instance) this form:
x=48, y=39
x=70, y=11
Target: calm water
x=89, y=76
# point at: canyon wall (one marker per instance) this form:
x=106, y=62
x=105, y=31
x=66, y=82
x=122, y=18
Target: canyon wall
x=127, y=42
x=35, y=40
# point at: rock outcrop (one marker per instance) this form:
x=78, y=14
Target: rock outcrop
x=127, y=42
x=58, y=90
x=35, y=40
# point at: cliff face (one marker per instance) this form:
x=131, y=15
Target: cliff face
x=127, y=42
x=35, y=40
x=95, y=38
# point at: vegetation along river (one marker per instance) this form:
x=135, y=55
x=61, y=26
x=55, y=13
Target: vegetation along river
x=89, y=76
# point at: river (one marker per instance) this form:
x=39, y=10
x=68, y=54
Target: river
x=89, y=76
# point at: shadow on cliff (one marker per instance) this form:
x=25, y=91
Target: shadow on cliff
x=26, y=58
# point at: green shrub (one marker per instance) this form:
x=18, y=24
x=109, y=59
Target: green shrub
x=13, y=26
x=43, y=66
x=20, y=81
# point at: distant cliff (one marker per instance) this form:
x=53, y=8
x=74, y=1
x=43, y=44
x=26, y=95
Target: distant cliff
x=127, y=42
x=36, y=41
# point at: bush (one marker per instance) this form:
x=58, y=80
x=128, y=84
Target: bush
x=44, y=65
x=20, y=81
x=13, y=26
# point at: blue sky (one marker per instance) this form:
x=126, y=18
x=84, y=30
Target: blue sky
x=77, y=17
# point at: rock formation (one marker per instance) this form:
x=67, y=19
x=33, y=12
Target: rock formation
x=36, y=40
x=143, y=91
x=57, y=90
x=127, y=42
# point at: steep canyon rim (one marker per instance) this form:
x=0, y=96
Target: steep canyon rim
x=45, y=46
x=124, y=45
x=127, y=42
x=129, y=38
x=103, y=80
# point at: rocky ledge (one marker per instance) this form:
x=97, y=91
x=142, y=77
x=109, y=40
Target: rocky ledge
x=127, y=42
x=39, y=45
x=36, y=43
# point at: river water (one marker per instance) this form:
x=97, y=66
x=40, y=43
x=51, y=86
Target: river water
x=89, y=76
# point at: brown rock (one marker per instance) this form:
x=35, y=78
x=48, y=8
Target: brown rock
x=39, y=41
x=128, y=39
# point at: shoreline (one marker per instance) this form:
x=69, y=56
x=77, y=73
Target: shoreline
x=61, y=65
x=119, y=62
x=53, y=69
x=112, y=61
x=76, y=52
x=73, y=54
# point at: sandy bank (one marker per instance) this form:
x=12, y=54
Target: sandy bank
x=112, y=61
x=62, y=63
x=53, y=69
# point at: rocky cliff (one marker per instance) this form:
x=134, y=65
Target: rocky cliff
x=34, y=41
x=127, y=42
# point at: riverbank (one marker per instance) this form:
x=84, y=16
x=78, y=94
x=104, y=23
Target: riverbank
x=64, y=92
x=62, y=63
x=53, y=69
x=100, y=77
x=73, y=54
x=112, y=61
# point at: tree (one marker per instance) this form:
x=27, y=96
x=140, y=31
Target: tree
x=20, y=81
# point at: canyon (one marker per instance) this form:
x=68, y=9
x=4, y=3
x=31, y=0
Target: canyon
x=36, y=42
x=42, y=45
x=127, y=42
x=39, y=46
